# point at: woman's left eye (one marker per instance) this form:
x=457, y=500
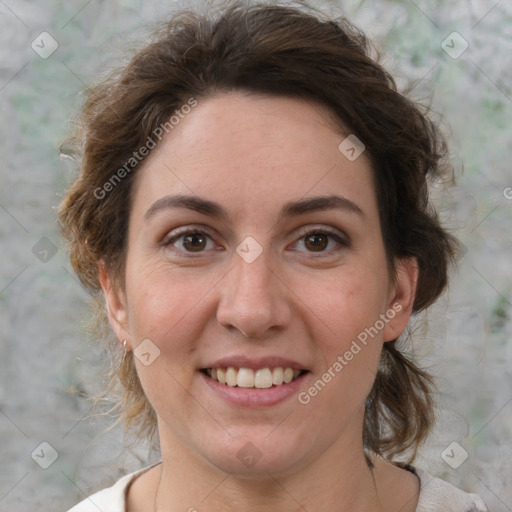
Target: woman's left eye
x=321, y=241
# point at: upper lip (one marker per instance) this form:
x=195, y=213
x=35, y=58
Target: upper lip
x=255, y=363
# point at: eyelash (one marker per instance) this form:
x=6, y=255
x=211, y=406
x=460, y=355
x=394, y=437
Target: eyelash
x=340, y=240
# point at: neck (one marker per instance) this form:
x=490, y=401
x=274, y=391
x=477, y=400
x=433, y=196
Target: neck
x=333, y=482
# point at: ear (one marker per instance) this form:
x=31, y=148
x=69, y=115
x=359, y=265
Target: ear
x=401, y=298
x=115, y=301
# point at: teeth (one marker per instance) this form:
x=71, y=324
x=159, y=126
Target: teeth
x=263, y=378
x=247, y=378
x=288, y=375
x=221, y=375
x=277, y=376
x=231, y=374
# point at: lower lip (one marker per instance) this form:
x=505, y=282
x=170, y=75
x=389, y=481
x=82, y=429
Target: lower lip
x=254, y=397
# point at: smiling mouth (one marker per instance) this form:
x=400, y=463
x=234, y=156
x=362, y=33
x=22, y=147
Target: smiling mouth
x=262, y=378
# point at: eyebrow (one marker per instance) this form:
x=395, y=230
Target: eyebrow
x=290, y=209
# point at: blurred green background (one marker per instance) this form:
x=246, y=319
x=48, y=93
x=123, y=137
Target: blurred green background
x=49, y=367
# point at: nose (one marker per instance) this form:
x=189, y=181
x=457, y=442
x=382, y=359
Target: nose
x=254, y=299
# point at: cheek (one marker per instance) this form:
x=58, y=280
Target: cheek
x=347, y=301
x=344, y=310
x=167, y=306
x=164, y=304
x=342, y=316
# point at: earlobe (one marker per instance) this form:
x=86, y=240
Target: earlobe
x=401, y=298
x=115, y=303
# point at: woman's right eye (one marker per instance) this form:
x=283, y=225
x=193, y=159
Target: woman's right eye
x=190, y=241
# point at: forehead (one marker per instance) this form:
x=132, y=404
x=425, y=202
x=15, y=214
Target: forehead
x=253, y=153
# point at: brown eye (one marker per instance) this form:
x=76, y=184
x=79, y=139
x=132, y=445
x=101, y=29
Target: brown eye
x=190, y=241
x=316, y=242
x=323, y=242
x=194, y=242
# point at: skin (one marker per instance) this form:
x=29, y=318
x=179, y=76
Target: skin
x=252, y=154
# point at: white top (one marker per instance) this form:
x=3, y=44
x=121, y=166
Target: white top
x=436, y=495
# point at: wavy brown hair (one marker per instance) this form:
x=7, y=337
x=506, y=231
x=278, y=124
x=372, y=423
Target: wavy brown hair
x=282, y=50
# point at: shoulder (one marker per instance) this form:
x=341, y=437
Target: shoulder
x=436, y=494
x=112, y=498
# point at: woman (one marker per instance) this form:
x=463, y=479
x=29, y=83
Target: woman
x=252, y=209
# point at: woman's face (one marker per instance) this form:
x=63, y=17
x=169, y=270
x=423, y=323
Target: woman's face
x=255, y=243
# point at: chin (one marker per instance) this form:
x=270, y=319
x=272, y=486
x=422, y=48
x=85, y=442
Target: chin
x=257, y=456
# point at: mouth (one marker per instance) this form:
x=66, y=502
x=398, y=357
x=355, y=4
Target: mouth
x=262, y=378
